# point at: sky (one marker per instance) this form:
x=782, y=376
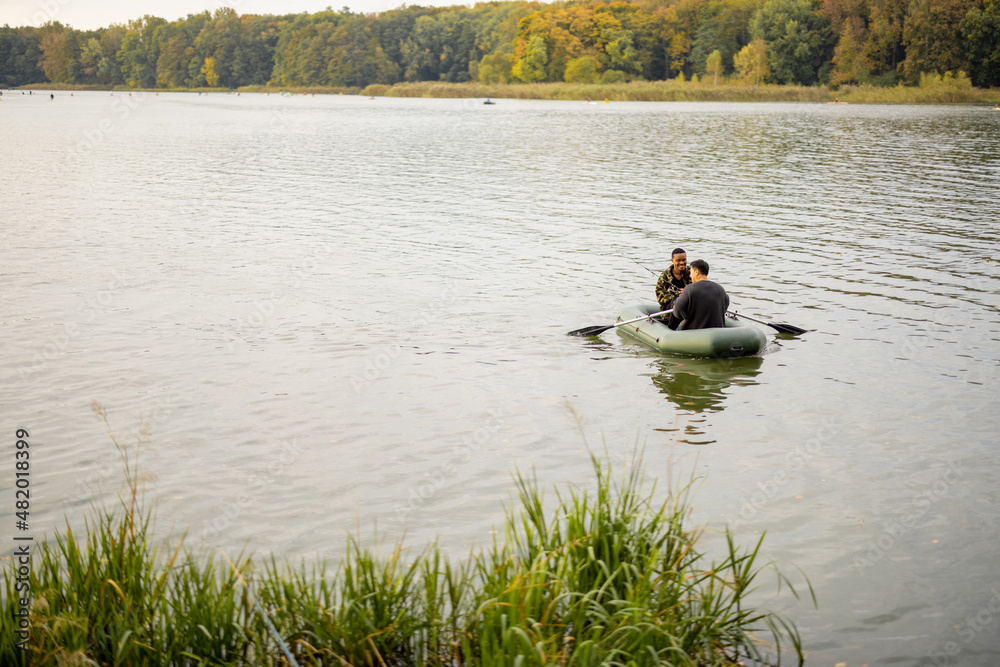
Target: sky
x=91, y=14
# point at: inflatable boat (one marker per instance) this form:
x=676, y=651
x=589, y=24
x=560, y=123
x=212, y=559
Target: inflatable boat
x=736, y=339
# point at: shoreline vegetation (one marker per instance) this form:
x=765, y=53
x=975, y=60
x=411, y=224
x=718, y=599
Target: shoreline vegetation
x=933, y=90
x=605, y=574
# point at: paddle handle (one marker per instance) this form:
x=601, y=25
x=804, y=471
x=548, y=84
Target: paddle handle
x=780, y=328
x=644, y=317
x=747, y=317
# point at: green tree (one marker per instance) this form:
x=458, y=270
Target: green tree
x=20, y=53
x=884, y=46
x=60, y=53
x=355, y=57
x=496, y=68
x=932, y=35
x=91, y=55
x=799, y=40
x=392, y=29
x=621, y=52
x=581, y=70
x=531, y=66
x=221, y=38
x=253, y=56
x=613, y=76
x=723, y=27
x=140, y=51
x=713, y=66
x=172, y=65
x=423, y=49
x=981, y=34
x=751, y=63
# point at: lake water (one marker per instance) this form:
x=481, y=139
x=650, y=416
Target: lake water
x=315, y=314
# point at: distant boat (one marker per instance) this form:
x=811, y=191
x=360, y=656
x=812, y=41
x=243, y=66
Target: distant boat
x=837, y=102
x=489, y=101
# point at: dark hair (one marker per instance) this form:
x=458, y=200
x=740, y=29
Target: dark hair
x=677, y=251
x=701, y=265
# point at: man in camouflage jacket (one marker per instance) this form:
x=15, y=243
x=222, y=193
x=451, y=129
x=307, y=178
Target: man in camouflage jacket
x=674, y=279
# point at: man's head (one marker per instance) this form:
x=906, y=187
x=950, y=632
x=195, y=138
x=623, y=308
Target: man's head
x=699, y=269
x=679, y=260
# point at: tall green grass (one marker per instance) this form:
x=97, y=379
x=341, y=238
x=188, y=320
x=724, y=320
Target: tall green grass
x=603, y=576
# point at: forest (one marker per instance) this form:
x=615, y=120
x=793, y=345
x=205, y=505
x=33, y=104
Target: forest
x=801, y=42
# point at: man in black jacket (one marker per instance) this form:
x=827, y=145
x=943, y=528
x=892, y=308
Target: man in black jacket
x=702, y=304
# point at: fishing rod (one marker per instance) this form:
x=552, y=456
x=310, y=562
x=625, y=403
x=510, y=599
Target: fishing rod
x=639, y=265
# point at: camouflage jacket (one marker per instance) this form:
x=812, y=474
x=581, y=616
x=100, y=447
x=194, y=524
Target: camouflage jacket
x=668, y=287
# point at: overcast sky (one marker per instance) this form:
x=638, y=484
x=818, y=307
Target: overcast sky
x=90, y=14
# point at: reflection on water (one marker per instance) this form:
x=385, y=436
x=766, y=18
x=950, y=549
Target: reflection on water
x=698, y=386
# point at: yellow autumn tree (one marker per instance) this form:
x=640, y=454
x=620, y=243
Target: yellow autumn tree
x=713, y=66
x=849, y=64
x=751, y=63
x=208, y=69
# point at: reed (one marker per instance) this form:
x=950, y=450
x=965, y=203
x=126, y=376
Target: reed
x=941, y=91
x=302, y=90
x=928, y=94
x=931, y=91
x=612, y=577
x=602, y=576
x=644, y=91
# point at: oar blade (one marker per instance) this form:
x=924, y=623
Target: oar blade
x=788, y=329
x=590, y=331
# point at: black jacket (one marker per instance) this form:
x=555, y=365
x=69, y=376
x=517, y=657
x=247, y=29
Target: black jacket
x=702, y=305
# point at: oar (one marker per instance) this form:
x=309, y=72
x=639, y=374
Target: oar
x=593, y=331
x=780, y=328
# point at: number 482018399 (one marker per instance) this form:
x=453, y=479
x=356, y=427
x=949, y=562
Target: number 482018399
x=22, y=494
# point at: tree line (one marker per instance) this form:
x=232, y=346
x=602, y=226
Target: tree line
x=805, y=42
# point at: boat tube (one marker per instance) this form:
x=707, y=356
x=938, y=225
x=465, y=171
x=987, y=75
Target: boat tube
x=736, y=339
